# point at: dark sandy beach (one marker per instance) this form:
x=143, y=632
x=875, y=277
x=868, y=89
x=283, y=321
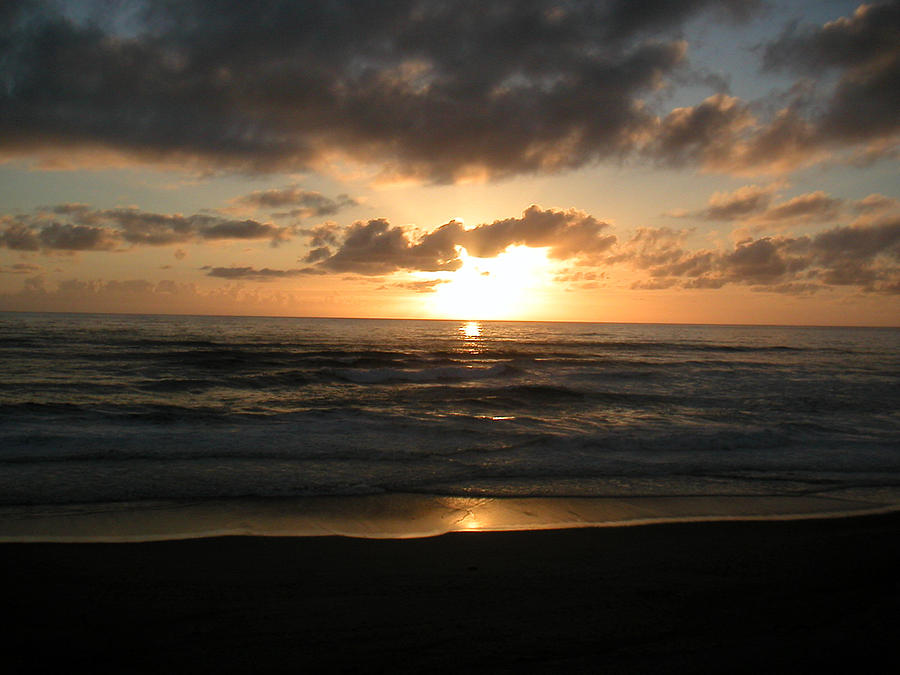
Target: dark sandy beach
x=790, y=596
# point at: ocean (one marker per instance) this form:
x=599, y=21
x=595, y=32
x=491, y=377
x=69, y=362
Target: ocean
x=140, y=410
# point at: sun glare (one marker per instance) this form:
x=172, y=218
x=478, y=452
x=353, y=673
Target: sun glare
x=471, y=329
x=505, y=287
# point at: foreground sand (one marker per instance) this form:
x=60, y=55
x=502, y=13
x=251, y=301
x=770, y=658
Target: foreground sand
x=789, y=596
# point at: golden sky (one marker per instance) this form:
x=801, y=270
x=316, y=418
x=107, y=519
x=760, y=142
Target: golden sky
x=697, y=162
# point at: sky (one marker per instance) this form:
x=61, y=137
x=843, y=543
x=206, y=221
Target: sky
x=727, y=161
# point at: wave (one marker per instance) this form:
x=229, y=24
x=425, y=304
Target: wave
x=436, y=374
x=203, y=407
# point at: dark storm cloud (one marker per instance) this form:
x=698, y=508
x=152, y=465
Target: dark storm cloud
x=301, y=203
x=437, y=89
x=375, y=247
x=108, y=229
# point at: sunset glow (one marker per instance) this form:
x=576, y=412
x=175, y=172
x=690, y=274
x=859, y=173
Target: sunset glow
x=508, y=286
x=279, y=275
x=714, y=162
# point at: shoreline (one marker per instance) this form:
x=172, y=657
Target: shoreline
x=404, y=516
x=776, y=596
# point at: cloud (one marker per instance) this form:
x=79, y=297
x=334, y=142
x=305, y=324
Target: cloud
x=250, y=273
x=847, y=42
x=425, y=286
x=435, y=89
x=68, y=237
x=317, y=254
x=240, y=229
x=579, y=275
x=741, y=203
x=721, y=134
x=858, y=114
x=855, y=121
x=651, y=248
x=166, y=297
x=762, y=261
x=813, y=205
x=859, y=243
x=654, y=284
x=567, y=234
x=19, y=237
x=865, y=50
x=87, y=229
x=324, y=234
x=299, y=202
x=875, y=203
x=754, y=203
x=376, y=247
x=702, y=134
x=21, y=268
x=865, y=255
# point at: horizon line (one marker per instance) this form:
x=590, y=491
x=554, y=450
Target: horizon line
x=393, y=318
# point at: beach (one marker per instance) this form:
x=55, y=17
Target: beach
x=237, y=494
x=757, y=596
x=449, y=337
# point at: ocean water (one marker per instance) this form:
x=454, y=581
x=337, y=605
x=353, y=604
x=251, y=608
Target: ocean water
x=105, y=408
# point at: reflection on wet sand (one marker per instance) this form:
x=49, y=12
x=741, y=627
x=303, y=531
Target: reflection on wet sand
x=395, y=515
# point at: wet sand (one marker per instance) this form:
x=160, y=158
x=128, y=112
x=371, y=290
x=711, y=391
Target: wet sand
x=780, y=596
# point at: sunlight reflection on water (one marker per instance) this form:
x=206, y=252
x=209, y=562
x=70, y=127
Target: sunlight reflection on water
x=470, y=329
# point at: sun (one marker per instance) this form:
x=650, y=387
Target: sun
x=511, y=285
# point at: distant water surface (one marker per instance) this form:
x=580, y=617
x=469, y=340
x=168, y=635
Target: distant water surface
x=104, y=408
